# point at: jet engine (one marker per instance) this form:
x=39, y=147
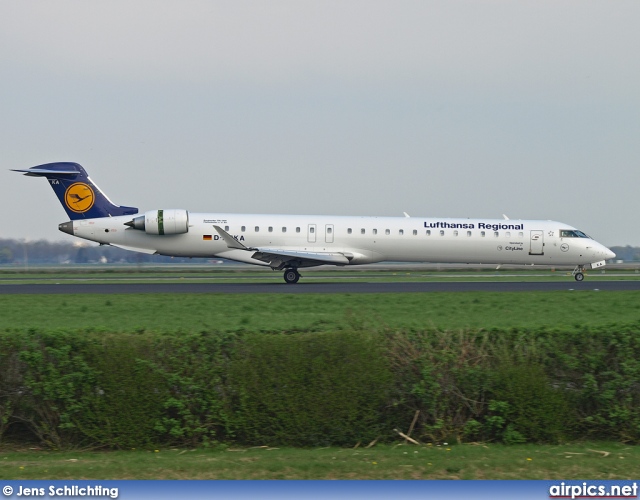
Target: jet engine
x=174, y=221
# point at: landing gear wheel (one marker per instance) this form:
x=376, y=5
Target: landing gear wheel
x=578, y=276
x=291, y=276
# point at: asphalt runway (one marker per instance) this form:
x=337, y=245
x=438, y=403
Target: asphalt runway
x=341, y=287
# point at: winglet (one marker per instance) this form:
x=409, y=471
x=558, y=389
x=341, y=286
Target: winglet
x=230, y=240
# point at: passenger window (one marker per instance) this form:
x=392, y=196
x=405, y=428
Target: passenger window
x=482, y=233
x=428, y=232
x=226, y=228
x=468, y=233
x=521, y=234
x=349, y=231
x=496, y=234
x=401, y=232
x=270, y=229
x=257, y=229
x=329, y=230
x=297, y=230
x=455, y=233
x=312, y=229
x=508, y=234
x=441, y=233
x=415, y=232
x=386, y=231
x=362, y=231
x=375, y=231
x=243, y=229
x=284, y=229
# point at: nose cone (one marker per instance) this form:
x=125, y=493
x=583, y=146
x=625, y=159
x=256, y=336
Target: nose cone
x=609, y=254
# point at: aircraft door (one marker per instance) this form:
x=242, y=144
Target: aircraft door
x=328, y=233
x=311, y=233
x=537, y=243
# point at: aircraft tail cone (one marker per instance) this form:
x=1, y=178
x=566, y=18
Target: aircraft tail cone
x=66, y=227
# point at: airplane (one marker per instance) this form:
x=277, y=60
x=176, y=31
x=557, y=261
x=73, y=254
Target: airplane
x=290, y=242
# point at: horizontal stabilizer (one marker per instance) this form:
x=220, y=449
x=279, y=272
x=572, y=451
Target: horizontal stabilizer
x=43, y=172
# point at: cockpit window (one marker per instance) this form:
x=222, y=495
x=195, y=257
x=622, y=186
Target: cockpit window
x=572, y=233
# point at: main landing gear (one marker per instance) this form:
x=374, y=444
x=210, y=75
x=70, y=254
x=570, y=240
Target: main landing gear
x=578, y=274
x=291, y=275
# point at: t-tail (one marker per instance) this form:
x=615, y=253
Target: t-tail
x=79, y=196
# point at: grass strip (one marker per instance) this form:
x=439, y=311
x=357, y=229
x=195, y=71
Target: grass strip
x=316, y=312
x=471, y=461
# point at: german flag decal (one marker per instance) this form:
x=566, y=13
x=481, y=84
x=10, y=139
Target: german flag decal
x=207, y=237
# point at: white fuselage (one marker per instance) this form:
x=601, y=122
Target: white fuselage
x=362, y=239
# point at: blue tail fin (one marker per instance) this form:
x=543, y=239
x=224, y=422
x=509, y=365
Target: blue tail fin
x=79, y=196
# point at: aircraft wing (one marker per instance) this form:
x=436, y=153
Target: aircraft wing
x=134, y=249
x=278, y=258
x=230, y=240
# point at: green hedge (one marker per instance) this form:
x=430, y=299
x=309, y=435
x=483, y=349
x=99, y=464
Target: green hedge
x=308, y=389
x=88, y=389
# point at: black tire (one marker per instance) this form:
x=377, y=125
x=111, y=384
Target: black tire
x=291, y=276
x=579, y=276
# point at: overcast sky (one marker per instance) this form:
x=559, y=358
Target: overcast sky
x=446, y=108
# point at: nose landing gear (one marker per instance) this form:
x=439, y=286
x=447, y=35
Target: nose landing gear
x=578, y=274
x=291, y=275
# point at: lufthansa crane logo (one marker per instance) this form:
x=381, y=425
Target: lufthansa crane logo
x=79, y=197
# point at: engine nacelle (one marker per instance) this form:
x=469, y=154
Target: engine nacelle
x=174, y=221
